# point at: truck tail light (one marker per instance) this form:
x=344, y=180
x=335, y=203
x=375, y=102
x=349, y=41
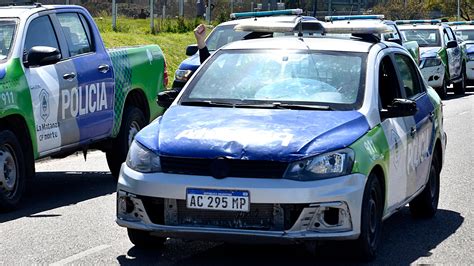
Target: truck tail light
x=165, y=75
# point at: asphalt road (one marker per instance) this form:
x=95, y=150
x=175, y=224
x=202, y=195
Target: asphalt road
x=69, y=211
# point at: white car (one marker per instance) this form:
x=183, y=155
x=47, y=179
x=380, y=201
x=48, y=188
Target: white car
x=291, y=140
x=465, y=31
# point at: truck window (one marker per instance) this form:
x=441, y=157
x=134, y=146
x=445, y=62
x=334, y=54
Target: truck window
x=389, y=89
x=75, y=34
x=40, y=33
x=409, y=77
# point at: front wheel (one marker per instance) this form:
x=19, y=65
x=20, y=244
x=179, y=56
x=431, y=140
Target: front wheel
x=12, y=171
x=371, y=219
x=133, y=121
x=425, y=204
x=143, y=239
x=443, y=90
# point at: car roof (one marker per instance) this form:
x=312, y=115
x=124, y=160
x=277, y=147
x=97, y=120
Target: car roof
x=421, y=26
x=28, y=10
x=296, y=43
x=463, y=27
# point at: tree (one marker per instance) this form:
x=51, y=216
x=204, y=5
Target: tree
x=449, y=7
x=401, y=9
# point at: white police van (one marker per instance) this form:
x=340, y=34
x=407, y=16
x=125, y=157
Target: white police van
x=291, y=139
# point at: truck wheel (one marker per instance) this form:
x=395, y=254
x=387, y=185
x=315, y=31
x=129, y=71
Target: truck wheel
x=143, y=239
x=371, y=220
x=443, y=90
x=12, y=171
x=460, y=87
x=425, y=204
x=133, y=121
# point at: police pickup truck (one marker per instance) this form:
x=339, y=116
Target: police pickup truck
x=61, y=91
x=465, y=32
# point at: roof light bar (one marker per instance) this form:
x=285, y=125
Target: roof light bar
x=251, y=14
x=357, y=28
x=355, y=17
x=456, y=23
x=419, y=21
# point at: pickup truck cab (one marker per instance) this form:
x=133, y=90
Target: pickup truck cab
x=443, y=59
x=224, y=33
x=465, y=32
x=62, y=91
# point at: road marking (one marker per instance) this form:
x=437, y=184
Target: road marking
x=81, y=255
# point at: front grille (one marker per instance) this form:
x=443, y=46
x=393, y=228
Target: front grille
x=225, y=168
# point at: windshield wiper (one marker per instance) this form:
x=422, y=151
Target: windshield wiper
x=207, y=103
x=300, y=106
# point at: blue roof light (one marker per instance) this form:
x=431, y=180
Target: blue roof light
x=456, y=23
x=418, y=21
x=251, y=14
x=355, y=17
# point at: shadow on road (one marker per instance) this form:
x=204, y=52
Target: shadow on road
x=452, y=96
x=404, y=241
x=50, y=190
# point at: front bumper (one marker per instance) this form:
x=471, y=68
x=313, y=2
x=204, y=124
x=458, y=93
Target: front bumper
x=343, y=194
x=434, y=75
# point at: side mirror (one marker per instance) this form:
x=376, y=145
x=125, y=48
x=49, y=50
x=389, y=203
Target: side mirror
x=166, y=98
x=191, y=49
x=400, y=108
x=42, y=56
x=452, y=44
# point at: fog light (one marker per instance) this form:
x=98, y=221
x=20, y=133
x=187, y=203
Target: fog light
x=330, y=217
x=125, y=205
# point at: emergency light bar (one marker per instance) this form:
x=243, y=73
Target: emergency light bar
x=251, y=14
x=456, y=23
x=312, y=27
x=355, y=17
x=419, y=21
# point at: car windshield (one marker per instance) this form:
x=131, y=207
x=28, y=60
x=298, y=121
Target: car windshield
x=236, y=78
x=223, y=35
x=424, y=37
x=7, y=33
x=466, y=35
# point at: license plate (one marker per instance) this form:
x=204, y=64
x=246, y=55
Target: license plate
x=214, y=199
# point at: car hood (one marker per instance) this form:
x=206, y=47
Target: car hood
x=426, y=52
x=469, y=47
x=191, y=63
x=253, y=134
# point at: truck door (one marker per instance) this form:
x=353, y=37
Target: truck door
x=46, y=82
x=454, y=55
x=421, y=127
x=91, y=102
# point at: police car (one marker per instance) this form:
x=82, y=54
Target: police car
x=224, y=33
x=465, y=31
x=442, y=57
x=291, y=139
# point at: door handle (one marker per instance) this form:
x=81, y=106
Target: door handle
x=413, y=131
x=432, y=116
x=69, y=76
x=103, y=68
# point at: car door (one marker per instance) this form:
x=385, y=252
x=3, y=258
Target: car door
x=454, y=54
x=91, y=103
x=396, y=132
x=46, y=82
x=421, y=126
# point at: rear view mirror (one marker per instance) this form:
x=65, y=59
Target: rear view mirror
x=400, y=108
x=191, y=49
x=42, y=55
x=166, y=98
x=452, y=44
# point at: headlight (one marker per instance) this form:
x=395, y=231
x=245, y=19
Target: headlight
x=431, y=62
x=470, y=57
x=182, y=75
x=142, y=159
x=328, y=165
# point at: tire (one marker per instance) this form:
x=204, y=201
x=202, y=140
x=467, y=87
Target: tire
x=371, y=220
x=133, y=121
x=12, y=171
x=443, y=90
x=143, y=239
x=460, y=87
x=425, y=204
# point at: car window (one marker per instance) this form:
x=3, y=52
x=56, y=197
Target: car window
x=7, y=32
x=451, y=34
x=409, y=77
x=75, y=33
x=389, y=88
x=392, y=35
x=41, y=33
x=223, y=35
x=284, y=76
x=466, y=35
x=424, y=37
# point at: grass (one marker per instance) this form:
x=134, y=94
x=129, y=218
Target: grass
x=137, y=32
